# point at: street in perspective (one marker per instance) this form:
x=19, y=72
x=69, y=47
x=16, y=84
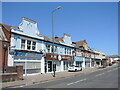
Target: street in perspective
x=59, y=45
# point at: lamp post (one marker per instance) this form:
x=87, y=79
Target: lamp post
x=53, y=33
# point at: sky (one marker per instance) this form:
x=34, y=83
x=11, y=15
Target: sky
x=95, y=22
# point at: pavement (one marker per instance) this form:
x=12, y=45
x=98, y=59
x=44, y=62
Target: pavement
x=105, y=78
x=34, y=79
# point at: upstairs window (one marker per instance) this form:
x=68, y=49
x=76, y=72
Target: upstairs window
x=52, y=49
x=33, y=45
x=22, y=44
x=55, y=49
x=65, y=51
x=48, y=47
x=28, y=44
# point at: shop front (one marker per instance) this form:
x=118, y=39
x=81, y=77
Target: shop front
x=67, y=61
x=61, y=62
x=87, y=62
x=31, y=61
x=78, y=61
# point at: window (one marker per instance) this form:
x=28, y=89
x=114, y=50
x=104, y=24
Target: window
x=28, y=44
x=65, y=50
x=22, y=44
x=52, y=50
x=55, y=49
x=70, y=51
x=48, y=48
x=33, y=45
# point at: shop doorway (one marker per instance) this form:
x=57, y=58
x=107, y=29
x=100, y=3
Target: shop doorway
x=49, y=66
x=45, y=66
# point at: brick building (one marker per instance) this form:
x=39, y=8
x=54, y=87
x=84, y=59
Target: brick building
x=4, y=45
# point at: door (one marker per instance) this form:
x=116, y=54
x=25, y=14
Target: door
x=49, y=66
x=45, y=66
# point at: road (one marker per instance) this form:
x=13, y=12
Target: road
x=106, y=78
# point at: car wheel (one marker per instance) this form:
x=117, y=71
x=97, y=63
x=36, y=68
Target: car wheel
x=75, y=70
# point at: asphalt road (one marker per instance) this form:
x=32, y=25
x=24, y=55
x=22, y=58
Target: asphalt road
x=106, y=78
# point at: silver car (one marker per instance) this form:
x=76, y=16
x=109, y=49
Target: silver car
x=74, y=68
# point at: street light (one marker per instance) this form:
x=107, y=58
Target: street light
x=53, y=33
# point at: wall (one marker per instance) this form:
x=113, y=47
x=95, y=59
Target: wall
x=13, y=73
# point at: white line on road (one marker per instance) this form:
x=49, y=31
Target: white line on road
x=17, y=86
x=115, y=69
x=109, y=70
x=77, y=81
x=99, y=74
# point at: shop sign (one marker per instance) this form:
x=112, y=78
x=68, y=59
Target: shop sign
x=87, y=59
x=25, y=54
x=78, y=59
x=58, y=57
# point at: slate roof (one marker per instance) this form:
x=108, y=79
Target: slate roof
x=59, y=39
x=80, y=43
x=113, y=56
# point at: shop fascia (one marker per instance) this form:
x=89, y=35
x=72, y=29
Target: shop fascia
x=58, y=57
x=28, y=54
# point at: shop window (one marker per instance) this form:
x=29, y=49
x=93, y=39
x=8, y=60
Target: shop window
x=33, y=45
x=28, y=44
x=22, y=44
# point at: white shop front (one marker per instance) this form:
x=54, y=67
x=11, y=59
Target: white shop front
x=31, y=61
x=62, y=62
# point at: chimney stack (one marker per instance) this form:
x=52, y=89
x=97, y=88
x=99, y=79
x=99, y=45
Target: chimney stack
x=56, y=37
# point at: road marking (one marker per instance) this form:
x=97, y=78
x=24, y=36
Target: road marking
x=77, y=81
x=17, y=86
x=99, y=74
x=115, y=69
x=109, y=70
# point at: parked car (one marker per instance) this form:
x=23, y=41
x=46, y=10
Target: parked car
x=74, y=68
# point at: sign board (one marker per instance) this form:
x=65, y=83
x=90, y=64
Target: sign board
x=59, y=57
x=50, y=56
x=28, y=54
x=78, y=58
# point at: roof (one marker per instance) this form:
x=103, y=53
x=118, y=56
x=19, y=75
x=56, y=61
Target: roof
x=2, y=35
x=59, y=39
x=80, y=43
x=29, y=19
x=113, y=56
x=6, y=26
x=47, y=38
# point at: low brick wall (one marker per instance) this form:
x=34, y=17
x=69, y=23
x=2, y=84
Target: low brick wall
x=13, y=73
x=9, y=76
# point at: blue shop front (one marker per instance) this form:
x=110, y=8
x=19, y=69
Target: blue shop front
x=78, y=61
